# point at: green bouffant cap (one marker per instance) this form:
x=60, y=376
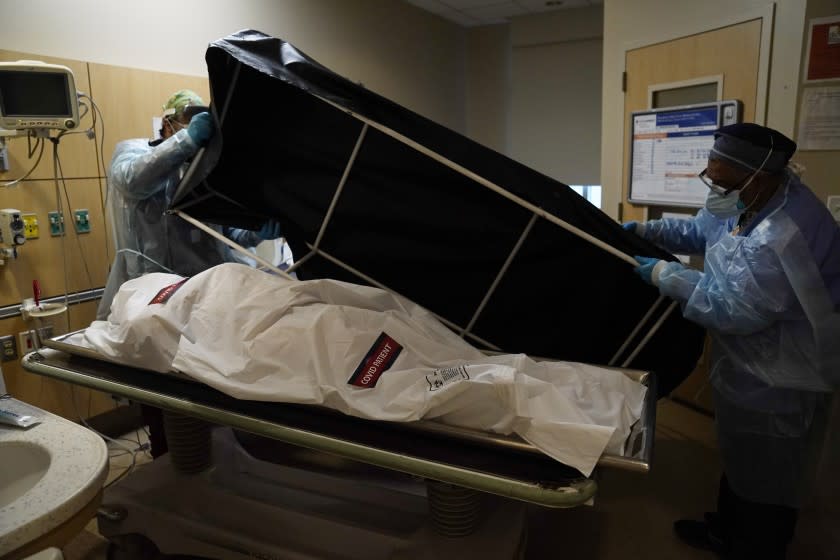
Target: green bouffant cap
x=180, y=100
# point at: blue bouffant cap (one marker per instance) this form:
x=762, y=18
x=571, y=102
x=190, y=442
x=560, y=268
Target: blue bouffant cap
x=752, y=146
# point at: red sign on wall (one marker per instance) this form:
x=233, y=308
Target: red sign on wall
x=823, y=49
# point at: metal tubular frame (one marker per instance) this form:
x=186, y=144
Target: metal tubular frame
x=536, y=211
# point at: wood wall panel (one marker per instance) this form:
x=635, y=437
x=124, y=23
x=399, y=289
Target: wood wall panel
x=44, y=258
x=128, y=100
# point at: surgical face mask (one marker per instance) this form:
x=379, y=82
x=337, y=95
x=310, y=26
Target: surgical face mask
x=725, y=203
x=724, y=206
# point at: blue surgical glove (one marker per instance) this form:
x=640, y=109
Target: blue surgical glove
x=201, y=128
x=645, y=268
x=270, y=230
x=632, y=227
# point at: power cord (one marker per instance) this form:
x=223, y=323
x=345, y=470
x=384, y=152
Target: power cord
x=96, y=117
x=126, y=450
x=38, y=143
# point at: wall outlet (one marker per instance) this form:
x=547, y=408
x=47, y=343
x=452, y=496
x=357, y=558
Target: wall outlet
x=8, y=347
x=25, y=342
x=834, y=207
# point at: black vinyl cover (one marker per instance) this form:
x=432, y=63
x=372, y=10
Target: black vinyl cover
x=420, y=228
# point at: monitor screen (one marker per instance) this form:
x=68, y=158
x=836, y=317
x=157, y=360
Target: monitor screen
x=34, y=94
x=669, y=147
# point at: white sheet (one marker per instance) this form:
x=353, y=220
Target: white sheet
x=261, y=337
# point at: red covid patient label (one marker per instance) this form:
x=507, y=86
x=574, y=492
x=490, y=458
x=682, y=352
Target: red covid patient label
x=166, y=293
x=379, y=358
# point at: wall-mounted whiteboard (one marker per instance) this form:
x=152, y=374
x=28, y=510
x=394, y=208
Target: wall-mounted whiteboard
x=670, y=146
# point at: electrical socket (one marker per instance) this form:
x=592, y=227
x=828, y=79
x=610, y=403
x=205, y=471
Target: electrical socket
x=26, y=342
x=8, y=347
x=26, y=339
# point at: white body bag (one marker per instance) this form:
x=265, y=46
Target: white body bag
x=362, y=351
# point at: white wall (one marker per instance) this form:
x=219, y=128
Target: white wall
x=488, y=85
x=408, y=55
x=555, y=110
x=634, y=23
x=544, y=109
x=558, y=26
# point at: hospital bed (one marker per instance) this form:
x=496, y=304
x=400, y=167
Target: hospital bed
x=379, y=489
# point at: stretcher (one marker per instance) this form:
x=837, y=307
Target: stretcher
x=504, y=472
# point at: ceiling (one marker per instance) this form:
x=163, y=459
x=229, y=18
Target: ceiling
x=472, y=13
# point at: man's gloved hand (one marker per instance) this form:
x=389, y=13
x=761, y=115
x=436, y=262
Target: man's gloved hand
x=646, y=269
x=270, y=230
x=201, y=128
x=633, y=227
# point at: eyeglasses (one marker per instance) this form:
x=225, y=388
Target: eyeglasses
x=720, y=189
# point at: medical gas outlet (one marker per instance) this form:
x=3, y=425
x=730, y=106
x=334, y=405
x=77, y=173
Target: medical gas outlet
x=11, y=228
x=56, y=220
x=30, y=226
x=82, y=220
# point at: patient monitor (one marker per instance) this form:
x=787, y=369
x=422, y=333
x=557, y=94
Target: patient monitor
x=36, y=95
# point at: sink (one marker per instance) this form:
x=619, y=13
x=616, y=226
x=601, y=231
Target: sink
x=49, y=473
x=24, y=464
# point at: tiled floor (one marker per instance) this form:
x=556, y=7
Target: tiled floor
x=632, y=515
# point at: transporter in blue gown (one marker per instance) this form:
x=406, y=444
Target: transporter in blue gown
x=769, y=295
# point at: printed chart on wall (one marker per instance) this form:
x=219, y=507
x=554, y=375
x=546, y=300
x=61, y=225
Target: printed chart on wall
x=669, y=148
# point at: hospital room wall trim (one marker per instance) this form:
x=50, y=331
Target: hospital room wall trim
x=72, y=299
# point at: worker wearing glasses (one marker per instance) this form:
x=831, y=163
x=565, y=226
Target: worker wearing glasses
x=769, y=295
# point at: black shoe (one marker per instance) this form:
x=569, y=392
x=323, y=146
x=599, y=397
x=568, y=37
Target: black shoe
x=699, y=534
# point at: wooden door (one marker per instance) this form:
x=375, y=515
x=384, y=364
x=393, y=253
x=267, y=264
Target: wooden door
x=731, y=53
